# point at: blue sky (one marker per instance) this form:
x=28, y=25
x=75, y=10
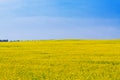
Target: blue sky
x=59, y=19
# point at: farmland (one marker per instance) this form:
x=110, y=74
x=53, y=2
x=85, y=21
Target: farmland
x=60, y=60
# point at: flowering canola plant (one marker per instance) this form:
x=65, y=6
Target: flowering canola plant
x=60, y=60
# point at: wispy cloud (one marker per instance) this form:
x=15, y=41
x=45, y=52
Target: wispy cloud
x=5, y=0
x=51, y=19
x=8, y=7
x=8, y=2
x=43, y=27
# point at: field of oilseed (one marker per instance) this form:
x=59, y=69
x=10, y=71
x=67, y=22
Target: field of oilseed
x=60, y=60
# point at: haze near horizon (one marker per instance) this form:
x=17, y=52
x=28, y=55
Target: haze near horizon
x=59, y=19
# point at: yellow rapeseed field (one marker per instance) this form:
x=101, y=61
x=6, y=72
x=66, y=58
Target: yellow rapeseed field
x=60, y=60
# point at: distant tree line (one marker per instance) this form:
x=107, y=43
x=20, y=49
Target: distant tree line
x=5, y=40
x=14, y=41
